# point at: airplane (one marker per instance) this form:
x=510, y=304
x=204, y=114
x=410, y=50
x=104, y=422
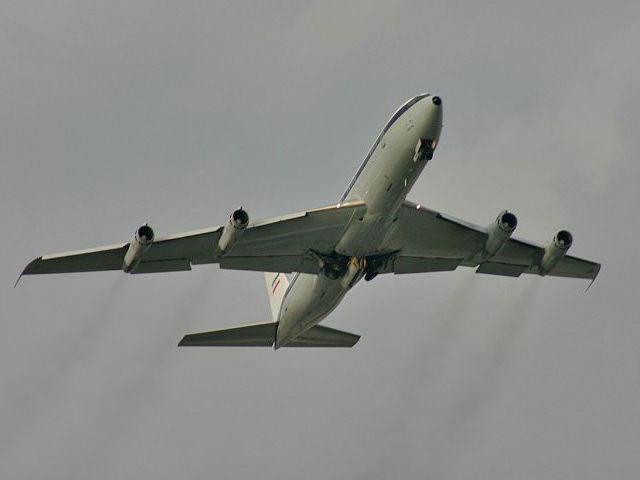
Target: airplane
x=372, y=230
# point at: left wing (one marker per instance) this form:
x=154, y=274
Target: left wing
x=426, y=241
x=279, y=244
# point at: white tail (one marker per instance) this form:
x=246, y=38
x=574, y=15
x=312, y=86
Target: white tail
x=277, y=284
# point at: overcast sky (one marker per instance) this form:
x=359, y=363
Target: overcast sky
x=116, y=113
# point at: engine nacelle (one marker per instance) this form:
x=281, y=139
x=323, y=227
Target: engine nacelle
x=554, y=250
x=498, y=233
x=234, y=228
x=142, y=240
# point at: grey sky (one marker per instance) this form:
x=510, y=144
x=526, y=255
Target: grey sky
x=116, y=113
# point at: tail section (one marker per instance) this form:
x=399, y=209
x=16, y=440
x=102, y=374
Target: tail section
x=256, y=335
x=277, y=284
x=264, y=334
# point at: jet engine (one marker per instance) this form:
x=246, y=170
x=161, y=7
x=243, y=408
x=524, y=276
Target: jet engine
x=554, y=250
x=142, y=240
x=233, y=230
x=498, y=233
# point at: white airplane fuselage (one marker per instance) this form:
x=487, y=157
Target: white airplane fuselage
x=387, y=174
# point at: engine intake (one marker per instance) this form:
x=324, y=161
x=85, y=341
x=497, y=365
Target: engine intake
x=233, y=230
x=498, y=233
x=142, y=240
x=554, y=250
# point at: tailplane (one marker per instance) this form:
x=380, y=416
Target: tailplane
x=277, y=284
x=264, y=334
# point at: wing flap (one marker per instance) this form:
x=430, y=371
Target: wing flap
x=504, y=269
x=276, y=263
x=404, y=264
x=179, y=265
x=197, y=244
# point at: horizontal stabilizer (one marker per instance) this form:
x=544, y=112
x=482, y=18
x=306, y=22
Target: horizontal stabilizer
x=264, y=335
x=258, y=335
x=320, y=336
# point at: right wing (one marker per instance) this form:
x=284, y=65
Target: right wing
x=279, y=244
x=429, y=241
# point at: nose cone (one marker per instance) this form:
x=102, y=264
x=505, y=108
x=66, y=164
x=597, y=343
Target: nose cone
x=429, y=113
x=433, y=116
x=435, y=105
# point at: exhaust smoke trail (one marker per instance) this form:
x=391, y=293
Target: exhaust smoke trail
x=58, y=360
x=482, y=367
x=423, y=376
x=453, y=378
x=108, y=414
x=139, y=387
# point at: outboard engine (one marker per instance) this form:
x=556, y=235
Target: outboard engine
x=233, y=230
x=142, y=240
x=554, y=250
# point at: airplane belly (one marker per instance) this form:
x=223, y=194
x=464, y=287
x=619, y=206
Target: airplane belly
x=310, y=299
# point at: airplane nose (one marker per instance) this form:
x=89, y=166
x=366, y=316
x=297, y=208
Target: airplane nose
x=435, y=110
x=433, y=120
